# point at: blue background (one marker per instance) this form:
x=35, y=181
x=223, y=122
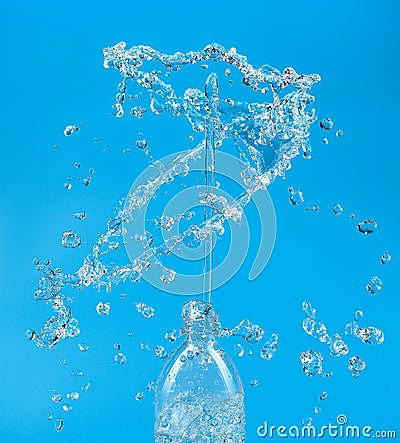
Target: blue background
x=52, y=75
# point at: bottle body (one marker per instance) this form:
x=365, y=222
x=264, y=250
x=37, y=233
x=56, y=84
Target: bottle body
x=199, y=395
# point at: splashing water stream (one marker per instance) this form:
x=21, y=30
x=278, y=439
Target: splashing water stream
x=267, y=136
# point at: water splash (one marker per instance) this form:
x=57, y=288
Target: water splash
x=356, y=366
x=312, y=362
x=267, y=135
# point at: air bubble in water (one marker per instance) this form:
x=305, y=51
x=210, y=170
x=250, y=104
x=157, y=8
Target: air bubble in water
x=160, y=352
x=119, y=358
x=79, y=215
x=385, y=259
x=59, y=423
x=70, y=129
x=83, y=347
x=374, y=285
x=337, y=209
x=103, y=308
x=339, y=133
x=145, y=310
x=312, y=362
x=326, y=124
x=238, y=350
x=170, y=335
x=70, y=240
x=117, y=110
x=367, y=226
x=356, y=366
x=296, y=197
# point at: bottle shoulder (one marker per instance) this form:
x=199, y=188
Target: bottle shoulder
x=199, y=366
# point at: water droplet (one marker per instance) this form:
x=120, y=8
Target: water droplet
x=358, y=315
x=356, y=366
x=67, y=186
x=190, y=138
x=160, y=352
x=139, y=396
x=77, y=165
x=150, y=386
x=67, y=407
x=170, y=335
x=306, y=421
x=352, y=216
x=70, y=129
x=326, y=124
x=339, y=133
x=227, y=72
x=312, y=362
x=49, y=416
x=323, y=396
x=73, y=395
x=337, y=209
x=122, y=296
x=70, y=240
x=85, y=387
x=56, y=398
x=103, y=308
x=30, y=334
x=83, y=347
x=249, y=332
x=269, y=348
x=141, y=143
x=385, y=259
x=370, y=335
x=79, y=215
x=59, y=423
x=317, y=409
x=296, y=197
x=91, y=170
x=238, y=350
x=374, y=285
x=119, y=358
x=338, y=347
x=367, y=226
x=86, y=181
x=144, y=346
x=315, y=208
x=63, y=361
x=77, y=373
x=327, y=374
x=325, y=141
x=96, y=139
x=254, y=382
x=55, y=146
x=145, y=310
x=126, y=150
x=117, y=110
x=117, y=346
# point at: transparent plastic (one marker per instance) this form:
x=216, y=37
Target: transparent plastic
x=199, y=396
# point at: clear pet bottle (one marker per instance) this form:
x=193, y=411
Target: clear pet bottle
x=199, y=396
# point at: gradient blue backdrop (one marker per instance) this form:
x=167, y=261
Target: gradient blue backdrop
x=52, y=75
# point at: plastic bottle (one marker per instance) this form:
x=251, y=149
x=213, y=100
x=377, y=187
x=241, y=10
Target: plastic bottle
x=199, y=396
